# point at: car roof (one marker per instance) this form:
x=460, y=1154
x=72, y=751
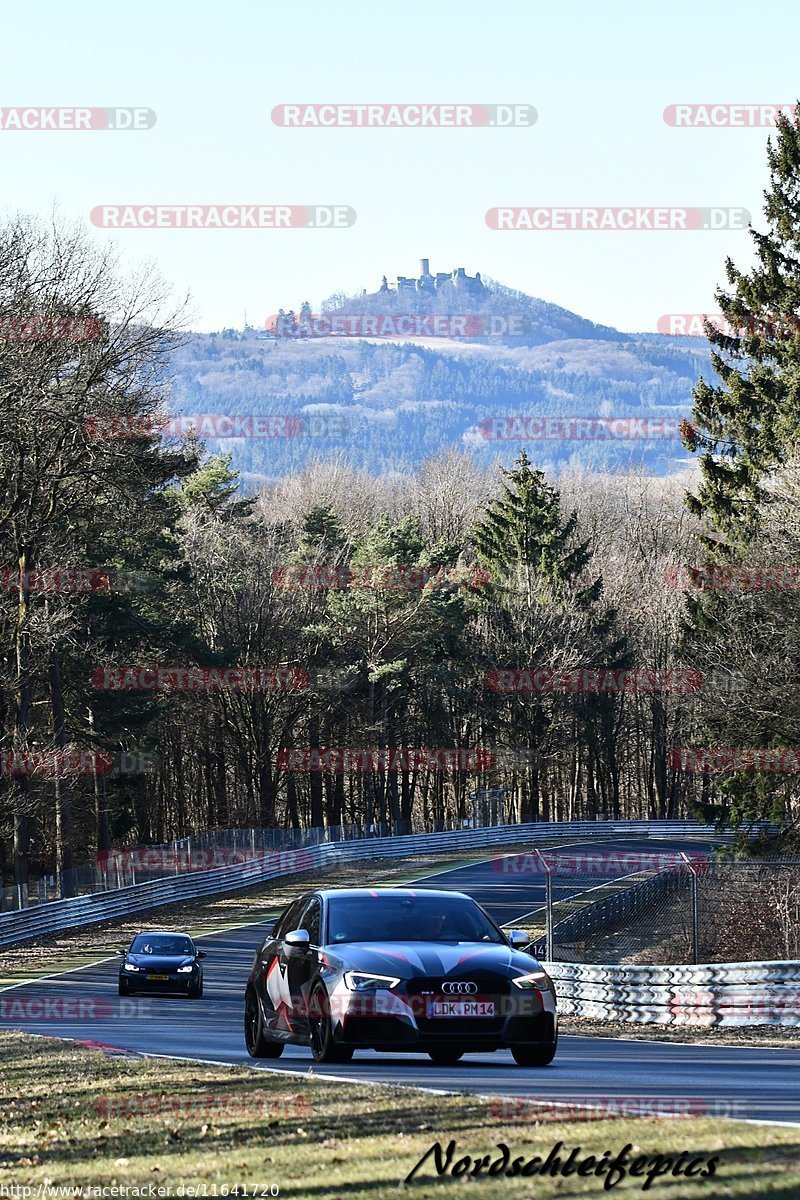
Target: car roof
x=162, y=933
x=377, y=892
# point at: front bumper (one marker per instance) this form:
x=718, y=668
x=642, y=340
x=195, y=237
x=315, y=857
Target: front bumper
x=133, y=981
x=402, y=1019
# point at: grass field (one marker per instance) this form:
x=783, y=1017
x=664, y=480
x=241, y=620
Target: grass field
x=73, y=1116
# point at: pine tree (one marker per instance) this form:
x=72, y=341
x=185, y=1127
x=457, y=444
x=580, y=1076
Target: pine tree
x=523, y=529
x=540, y=610
x=305, y=322
x=322, y=529
x=747, y=425
x=212, y=490
x=397, y=626
x=746, y=428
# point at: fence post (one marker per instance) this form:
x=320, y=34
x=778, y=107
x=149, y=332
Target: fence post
x=548, y=906
x=695, y=912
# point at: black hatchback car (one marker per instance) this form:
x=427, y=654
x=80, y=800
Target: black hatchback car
x=396, y=969
x=162, y=962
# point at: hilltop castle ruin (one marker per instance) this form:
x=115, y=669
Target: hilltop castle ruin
x=430, y=284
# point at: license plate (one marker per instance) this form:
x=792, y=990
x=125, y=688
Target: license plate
x=158, y=976
x=460, y=1008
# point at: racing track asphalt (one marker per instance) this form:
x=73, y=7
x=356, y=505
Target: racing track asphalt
x=742, y=1081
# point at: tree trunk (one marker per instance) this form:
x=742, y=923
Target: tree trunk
x=63, y=784
x=317, y=817
x=100, y=803
x=291, y=800
x=21, y=791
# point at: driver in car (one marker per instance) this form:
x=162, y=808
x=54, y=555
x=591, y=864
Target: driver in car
x=433, y=927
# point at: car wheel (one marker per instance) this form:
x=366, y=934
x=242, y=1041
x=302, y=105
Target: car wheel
x=123, y=989
x=256, y=1040
x=535, y=1056
x=443, y=1056
x=323, y=1048
x=196, y=991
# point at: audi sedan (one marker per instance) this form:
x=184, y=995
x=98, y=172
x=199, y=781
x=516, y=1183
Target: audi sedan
x=162, y=962
x=398, y=970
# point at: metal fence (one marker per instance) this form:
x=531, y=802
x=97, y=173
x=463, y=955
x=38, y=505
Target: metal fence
x=591, y=917
x=716, y=911
x=130, y=866
x=188, y=884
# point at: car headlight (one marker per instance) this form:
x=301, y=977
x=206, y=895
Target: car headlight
x=365, y=981
x=132, y=967
x=185, y=970
x=536, y=979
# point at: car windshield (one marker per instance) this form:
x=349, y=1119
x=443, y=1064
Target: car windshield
x=408, y=918
x=160, y=943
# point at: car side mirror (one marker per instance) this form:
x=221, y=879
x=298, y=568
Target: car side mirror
x=201, y=954
x=518, y=939
x=120, y=951
x=297, y=939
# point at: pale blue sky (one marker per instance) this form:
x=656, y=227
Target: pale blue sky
x=599, y=74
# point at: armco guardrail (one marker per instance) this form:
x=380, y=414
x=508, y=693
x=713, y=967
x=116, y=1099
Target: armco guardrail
x=85, y=910
x=205, y=851
x=713, y=995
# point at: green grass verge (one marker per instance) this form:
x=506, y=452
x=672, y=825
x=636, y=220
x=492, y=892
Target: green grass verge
x=72, y=1116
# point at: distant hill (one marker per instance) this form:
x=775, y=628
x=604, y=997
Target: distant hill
x=386, y=401
x=501, y=315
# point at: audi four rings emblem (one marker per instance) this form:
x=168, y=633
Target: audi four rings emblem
x=459, y=988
